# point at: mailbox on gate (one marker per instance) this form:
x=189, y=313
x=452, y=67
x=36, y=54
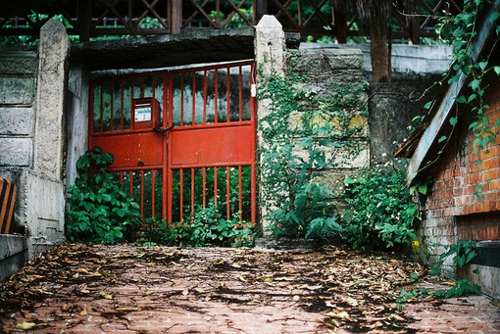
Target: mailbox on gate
x=145, y=113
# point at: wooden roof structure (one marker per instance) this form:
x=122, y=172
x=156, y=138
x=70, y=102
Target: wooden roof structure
x=94, y=19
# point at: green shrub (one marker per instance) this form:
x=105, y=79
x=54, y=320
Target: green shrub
x=204, y=228
x=380, y=212
x=99, y=209
x=303, y=136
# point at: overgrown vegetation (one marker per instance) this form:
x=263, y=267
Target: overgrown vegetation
x=99, y=209
x=206, y=227
x=302, y=136
x=460, y=31
x=306, y=135
x=380, y=210
x=461, y=253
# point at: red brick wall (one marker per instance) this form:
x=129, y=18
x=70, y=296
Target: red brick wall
x=467, y=183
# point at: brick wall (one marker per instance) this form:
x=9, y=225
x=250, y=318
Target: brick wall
x=464, y=202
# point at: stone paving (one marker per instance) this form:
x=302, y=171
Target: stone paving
x=203, y=291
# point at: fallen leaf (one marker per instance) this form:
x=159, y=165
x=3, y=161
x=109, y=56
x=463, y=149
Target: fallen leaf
x=127, y=309
x=25, y=325
x=351, y=301
x=105, y=295
x=342, y=315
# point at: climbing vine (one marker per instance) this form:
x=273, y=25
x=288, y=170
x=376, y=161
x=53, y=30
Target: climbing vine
x=460, y=31
x=305, y=134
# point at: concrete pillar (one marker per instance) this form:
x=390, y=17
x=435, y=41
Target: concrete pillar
x=44, y=183
x=269, y=60
x=269, y=46
x=52, y=77
x=77, y=118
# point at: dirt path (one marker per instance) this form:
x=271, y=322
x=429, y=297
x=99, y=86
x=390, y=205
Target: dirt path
x=125, y=289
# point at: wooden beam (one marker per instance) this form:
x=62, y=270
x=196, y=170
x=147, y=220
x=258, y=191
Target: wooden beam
x=84, y=19
x=442, y=113
x=176, y=17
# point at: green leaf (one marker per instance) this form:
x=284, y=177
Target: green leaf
x=442, y=139
x=482, y=65
x=474, y=84
x=428, y=105
x=453, y=121
x=493, y=16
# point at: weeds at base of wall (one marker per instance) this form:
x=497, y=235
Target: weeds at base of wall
x=462, y=253
x=101, y=211
x=205, y=228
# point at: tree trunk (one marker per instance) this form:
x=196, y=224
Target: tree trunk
x=379, y=54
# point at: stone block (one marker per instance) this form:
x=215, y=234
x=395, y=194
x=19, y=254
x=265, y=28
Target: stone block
x=45, y=213
x=13, y=254
x=17, y=121
x=18, y=63
x=17, y=91
x=16, y=152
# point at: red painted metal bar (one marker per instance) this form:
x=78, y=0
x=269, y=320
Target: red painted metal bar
x=228, y=193
x=193, y=98
x=228, y=94
x=215, y=185
x=216, y=96
x=192, y=191
x=232, y=142
x=204, y=186
x=204, y=122
x=181, y=194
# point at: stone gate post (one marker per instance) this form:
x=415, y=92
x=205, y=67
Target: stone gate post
x=269, y=60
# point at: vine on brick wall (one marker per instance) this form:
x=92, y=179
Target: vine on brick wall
x=460, y=31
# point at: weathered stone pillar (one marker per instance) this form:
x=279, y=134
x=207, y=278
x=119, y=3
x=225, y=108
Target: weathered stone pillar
x=52, y=74
x=269, y=60
x=269, y=46
x=45, y=189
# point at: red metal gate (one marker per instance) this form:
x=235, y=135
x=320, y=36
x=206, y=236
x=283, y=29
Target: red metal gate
x=181, y=139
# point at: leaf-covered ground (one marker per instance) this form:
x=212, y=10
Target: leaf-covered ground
x=80, y=288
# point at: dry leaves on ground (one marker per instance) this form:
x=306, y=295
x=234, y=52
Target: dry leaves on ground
x=351, y=290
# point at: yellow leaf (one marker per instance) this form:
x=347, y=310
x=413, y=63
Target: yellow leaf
x=84, y=311
x=185, y=292
x=351, y=301
x=450, y=283
x=296, y=298
x=25, y=325
x=105, y=295
x=342, y=315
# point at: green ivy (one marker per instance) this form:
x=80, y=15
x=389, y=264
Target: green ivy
x=462, y=253
x=99, y=209
x=460, y=32
x=299, y=135
x=205, y=227
x=379, y=210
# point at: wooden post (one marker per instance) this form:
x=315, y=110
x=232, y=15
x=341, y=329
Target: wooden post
x=340, y=22
x=259, y=10
x=84, y=19
x=414, y=30
x=175, y=16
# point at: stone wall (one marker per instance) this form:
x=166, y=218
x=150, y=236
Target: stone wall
x=32, y=91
